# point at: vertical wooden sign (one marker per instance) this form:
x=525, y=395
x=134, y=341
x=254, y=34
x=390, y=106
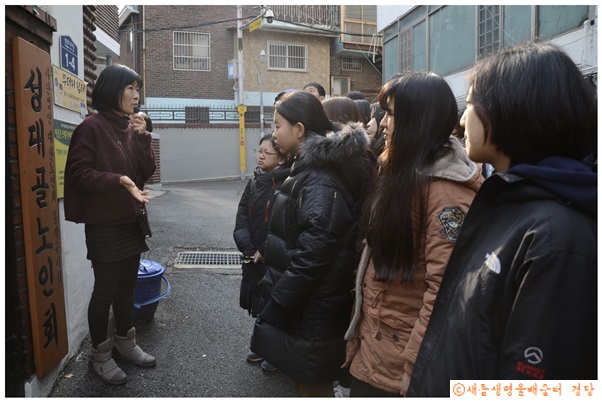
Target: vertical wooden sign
x=39, y=203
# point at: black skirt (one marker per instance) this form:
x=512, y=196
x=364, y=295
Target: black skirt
x=107, y=243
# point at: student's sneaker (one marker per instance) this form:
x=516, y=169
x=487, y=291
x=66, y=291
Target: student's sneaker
x=340, y=391
x=266, y=366
x=253, y=357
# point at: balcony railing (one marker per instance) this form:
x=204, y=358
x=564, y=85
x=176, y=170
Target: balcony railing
x=322, y=15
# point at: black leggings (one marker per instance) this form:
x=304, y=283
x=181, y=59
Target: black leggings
x=114, y=282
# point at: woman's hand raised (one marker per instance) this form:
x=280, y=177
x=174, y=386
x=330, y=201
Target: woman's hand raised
x=130, y=186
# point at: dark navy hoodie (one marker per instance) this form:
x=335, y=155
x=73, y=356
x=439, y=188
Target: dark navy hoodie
x=573, y=182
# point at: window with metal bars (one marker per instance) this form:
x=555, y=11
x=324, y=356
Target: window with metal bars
x=489, y=29
x=287, y=56
x=191, y=51
x=405, y=51
x=351, y=64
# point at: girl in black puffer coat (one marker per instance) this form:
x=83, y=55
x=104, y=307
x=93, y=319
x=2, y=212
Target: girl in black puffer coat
x=310, y=253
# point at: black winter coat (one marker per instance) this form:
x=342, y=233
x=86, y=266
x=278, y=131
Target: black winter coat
x=251, y=230
x=311, y=258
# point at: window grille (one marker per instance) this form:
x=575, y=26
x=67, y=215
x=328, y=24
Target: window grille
x=287, y=56
x=489, y=29
x=191, y=51
x=352, y=64
x=196, y=114
x=323, y=15
x=405, y=51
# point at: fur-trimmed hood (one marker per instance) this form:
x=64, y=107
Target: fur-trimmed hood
x=455, y=164
x=344, y=152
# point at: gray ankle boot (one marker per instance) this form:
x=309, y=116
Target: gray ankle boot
x=102, y=364
x=125, y=348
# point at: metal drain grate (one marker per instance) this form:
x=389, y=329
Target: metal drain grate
x=207, y=259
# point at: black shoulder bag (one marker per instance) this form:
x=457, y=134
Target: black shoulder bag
x=142, y=216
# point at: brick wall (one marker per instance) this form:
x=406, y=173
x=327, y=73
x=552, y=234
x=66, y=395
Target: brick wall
x=161, y=79
x=318, y=62
x=36, y=27
x=368, y=81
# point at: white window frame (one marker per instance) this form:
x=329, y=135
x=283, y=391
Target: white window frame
x=406, y=61
x=286, y=58
x=184, y=48
x=351, y=64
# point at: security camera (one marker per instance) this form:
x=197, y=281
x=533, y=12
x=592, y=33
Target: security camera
x=269, y=16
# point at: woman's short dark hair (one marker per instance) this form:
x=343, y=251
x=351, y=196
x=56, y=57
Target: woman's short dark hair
x=364, y=107
x=534, y=103
x=320, y=88
x=355, y=95
x=110, y=85
x=342, y=110
x=378, y=142
x=303, y=107
x=378, y=112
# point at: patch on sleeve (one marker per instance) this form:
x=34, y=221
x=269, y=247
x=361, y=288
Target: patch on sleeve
x=451, y=219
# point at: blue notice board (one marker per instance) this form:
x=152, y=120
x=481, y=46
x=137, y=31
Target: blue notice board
x=68, y=55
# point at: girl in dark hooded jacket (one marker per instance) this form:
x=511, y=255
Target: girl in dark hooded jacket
x=310, y=252
x=518, y=301
x=252, y=220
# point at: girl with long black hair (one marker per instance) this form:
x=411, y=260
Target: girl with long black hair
x=425, y=186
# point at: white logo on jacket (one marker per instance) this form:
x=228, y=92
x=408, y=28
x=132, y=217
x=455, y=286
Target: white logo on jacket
x=493, y=263
x=534, y=355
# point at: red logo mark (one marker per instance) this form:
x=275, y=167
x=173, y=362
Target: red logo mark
x=531, y=371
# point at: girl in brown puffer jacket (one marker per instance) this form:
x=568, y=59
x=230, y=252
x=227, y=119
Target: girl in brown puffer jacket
x=423, y=191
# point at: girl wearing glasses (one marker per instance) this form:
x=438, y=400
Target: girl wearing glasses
x=251, y=227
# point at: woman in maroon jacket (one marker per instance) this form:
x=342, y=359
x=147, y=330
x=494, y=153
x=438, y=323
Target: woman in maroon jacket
x=110, y=158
